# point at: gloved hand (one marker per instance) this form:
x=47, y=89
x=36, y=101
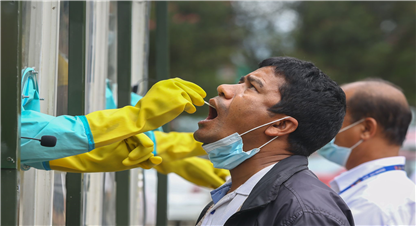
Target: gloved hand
x=145, y=161
x=172, y=146
x=176, y=145
x=195, y=170
x=109, y=158
x=162, y=103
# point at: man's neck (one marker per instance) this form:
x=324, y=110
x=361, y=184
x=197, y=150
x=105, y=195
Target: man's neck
x=243, y=172
x=371, y=152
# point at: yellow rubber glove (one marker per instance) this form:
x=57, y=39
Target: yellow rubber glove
x=109, y=158
x=172, y=146
x=145, y=161
x=177, y=145
x=163, y=102
x=195, y=170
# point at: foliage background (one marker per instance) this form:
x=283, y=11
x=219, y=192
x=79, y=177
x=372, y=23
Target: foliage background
x=218, y=42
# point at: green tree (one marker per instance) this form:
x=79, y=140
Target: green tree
x=202, y=39
x=349, y=41
x=356, y=40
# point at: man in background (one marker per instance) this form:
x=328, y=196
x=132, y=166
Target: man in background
x=375, y=187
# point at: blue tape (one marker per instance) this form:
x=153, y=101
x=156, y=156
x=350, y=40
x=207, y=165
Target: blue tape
x=151, y=135
x=91, y=143
x=46, y=165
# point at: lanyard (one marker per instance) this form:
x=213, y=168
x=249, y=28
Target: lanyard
x=374, y=173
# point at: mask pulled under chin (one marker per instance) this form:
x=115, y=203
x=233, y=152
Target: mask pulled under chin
x=228, y=152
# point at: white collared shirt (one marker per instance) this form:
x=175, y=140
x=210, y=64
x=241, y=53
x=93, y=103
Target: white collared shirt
x=225, y=205
x=384, y=199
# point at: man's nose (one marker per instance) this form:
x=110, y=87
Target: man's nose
x=226, y=91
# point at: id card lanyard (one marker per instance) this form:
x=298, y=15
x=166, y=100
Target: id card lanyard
x=372, y=174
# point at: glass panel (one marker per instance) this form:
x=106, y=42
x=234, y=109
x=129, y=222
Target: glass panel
x=96, y=57
x=62, y=97
x=26, y=12
x=148, y=183
x=109, y=199
x=89, y=30
x=89, y=64
x=59, y=197
x=109, y=195
x=112, y=48
x=59, y=192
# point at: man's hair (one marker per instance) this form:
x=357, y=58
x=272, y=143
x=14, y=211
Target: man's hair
x=391, y=115
x=312, y=98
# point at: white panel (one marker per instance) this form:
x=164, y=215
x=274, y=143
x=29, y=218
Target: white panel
x=135, y=214
x=97, y=55
x=37, y=185
x=48, y=68
x=35, y=34
x=138, y=77
x=44, y=197
x=96, y=74
x=94, y=198
x=139, y=44
x=150, y=195
x=27, y=199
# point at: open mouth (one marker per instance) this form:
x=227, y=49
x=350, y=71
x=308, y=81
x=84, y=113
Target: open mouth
x=212, y=113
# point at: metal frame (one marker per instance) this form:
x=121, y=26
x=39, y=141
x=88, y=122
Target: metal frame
x=124, y=22
x=76, y=101
x=11, y=56
x=162, y=72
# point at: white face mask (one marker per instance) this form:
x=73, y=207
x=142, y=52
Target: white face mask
x=338, y=154
x=228, y=152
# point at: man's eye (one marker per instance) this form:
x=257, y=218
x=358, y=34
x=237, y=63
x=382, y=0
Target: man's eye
x=252, y=87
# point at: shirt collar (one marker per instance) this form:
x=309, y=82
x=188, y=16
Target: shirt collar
x=220, y=192
x=347, y=178
x=244, y=189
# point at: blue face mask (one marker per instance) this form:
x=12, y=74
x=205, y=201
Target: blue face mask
x=228, y=152
x=338, y=154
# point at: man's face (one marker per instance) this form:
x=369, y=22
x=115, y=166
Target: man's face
x=241, y=107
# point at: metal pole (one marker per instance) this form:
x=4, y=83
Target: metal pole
x=162, y=72
x=124, y=23
x=76, y=101
x=11, y=66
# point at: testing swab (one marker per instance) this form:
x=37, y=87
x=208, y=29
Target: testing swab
x=209, y=104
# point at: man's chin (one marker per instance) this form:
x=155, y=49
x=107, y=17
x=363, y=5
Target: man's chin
x=205, y=136
x=197, y=136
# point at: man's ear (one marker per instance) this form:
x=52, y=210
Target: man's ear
x=369, y=129
x=281, y=128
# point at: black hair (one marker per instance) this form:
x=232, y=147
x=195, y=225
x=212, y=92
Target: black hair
x=312, y=98
x=391, y=115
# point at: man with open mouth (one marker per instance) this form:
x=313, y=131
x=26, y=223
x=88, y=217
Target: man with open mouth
x=262, y=130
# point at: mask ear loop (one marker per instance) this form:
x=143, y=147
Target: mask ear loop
x=349, y=126
x=265, y=125
x=274, y=138
x=355, y=145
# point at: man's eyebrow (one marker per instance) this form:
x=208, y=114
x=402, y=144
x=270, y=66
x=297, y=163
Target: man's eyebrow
x=242, y=79
x=256, y=80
